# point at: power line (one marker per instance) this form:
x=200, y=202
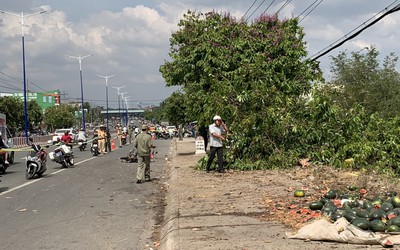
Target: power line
x=332, y=47
x=249, y=9
x=309, y=6
x=255, y=10
x=283, y=6
x=320, y=1
x=38, y=86
x=268, y=7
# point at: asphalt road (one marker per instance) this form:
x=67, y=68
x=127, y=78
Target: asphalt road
x=94, y=205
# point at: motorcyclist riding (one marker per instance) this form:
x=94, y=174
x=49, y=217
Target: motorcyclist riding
x=82, y=135
x=3, y=145
x=67, y=138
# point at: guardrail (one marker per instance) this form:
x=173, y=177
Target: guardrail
x=20, y=142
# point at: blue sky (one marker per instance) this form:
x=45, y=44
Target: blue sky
x=130, y=39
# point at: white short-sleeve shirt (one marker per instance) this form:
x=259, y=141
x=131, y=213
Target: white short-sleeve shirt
x=215, y=141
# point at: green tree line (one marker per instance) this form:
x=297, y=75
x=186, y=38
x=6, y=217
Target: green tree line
x=61, y=116
x=278, y=106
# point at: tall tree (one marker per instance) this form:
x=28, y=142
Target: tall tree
x=35, y=114
x=61, y=116
x=250, y=74
x=366, y=82
x=13, y=108
x=173, y=109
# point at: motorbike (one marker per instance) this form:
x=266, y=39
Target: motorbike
x=94, y=147
x=82, y=144
x=163, y=135
x=131, y=157
x=3, y=165
x=36, y=162
x=63, y=155
x=123, y=138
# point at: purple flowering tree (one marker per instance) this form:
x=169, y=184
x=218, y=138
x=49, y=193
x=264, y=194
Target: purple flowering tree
x=251, y=74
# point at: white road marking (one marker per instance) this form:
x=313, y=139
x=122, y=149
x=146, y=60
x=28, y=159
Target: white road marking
x=39, y=179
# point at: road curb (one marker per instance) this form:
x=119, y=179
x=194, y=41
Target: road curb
x=170, y=227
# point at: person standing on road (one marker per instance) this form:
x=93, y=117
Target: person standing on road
x=203, y=131
x=216, y=129
x=136, y=131
x=118, y=130
x=130, y=133
x=143, y=145
x=180, y=132
x=101, y=140
x=108, y=141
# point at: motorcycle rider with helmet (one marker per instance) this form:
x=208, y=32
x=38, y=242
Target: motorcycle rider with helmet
x=3, y=145
x=67, y=139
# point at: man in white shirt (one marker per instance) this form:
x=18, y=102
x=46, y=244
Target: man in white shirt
x=82, y=135
x=216, y=129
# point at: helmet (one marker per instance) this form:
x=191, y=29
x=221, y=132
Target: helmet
x=217, y=117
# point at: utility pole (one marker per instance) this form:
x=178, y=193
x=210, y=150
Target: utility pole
x=127, y=109
x=122, y=98
x=106, y=77
x=119, y=109
x=22, y=18
x=80, y=58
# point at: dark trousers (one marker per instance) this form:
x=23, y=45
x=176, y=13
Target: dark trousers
x=205, y=137
x=108, y=144
x=214, y=150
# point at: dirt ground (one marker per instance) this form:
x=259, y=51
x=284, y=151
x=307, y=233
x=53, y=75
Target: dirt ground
x=269, y=196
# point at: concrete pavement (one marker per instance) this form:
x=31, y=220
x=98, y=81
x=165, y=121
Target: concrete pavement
x=209, y=210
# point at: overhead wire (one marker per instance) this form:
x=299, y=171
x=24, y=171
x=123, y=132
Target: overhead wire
x=334, y=46
x=309, y=6
x=283, y=6
x=346, y=37
x=268, y=7
x=320, y=1
x=249, y=9
x=255, y=10
x=5, y=84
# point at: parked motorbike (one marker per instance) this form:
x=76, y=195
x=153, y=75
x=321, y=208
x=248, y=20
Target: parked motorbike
x=131, y=157
x=94, y=147
x=82, y=144
x=63, y=155
x=163, y=135
x=36, y=162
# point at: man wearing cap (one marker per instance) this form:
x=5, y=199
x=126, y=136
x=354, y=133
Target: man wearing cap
x=143, y=145
x=101, y=139
x=216, y=139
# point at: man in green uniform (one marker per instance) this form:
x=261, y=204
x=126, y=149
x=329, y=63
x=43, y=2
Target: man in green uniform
x=143, y=145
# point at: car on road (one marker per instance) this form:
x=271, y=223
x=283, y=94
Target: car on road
x=59, y=132
x=172, y=130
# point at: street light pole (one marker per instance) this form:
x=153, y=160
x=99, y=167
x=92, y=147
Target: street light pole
x=106, y=77
x=80, y=58
x=127, y=109
x=122, y=98
x=119, y=110
x=22, y=17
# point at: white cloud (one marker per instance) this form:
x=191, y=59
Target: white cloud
x=132, y=41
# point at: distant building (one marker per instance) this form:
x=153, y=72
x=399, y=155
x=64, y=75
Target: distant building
x=44, y=99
